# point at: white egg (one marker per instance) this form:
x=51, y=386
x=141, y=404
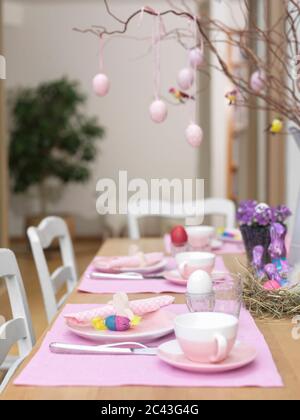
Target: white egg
x=200, y=283
x=185, y=78
x=158, y=111
x=194, y=135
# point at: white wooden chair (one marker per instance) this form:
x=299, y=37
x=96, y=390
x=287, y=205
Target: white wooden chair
x=210, y=207
x=50, y=229
x=19, y=329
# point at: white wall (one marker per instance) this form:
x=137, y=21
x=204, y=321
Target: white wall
x=45, y=47
x=293, y=175
x=230, y=12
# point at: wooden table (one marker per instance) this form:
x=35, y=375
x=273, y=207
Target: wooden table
x=286, y=353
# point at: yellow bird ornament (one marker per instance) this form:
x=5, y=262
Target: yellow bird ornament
x=232, y=97
x=276, y=127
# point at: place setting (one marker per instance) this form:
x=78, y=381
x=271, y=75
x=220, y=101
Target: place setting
x=140, y=272
x=210, y=341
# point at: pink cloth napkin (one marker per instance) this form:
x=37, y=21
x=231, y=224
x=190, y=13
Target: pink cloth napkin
x=134, y=261
x=139, y=307
x=53, y=370
x=100, y=286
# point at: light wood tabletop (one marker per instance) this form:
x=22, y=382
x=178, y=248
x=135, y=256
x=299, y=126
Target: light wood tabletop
x=278, y=334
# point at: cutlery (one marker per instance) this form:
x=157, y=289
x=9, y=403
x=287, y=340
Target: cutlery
x=138, y=349
x=126, y=276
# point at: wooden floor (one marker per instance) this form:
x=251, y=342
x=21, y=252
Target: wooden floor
x=84, y=250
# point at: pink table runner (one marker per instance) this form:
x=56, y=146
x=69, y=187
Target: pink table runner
x=52, y=370
x=100, y=286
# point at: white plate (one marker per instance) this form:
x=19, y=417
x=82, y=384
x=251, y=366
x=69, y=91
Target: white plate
x=152, y=327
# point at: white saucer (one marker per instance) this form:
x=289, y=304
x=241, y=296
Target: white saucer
x=175, y=277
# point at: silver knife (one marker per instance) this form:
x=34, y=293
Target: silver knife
x=126, y=276
x=61, y=348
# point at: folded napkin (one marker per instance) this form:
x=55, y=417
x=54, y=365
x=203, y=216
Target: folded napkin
x=135, y=261
x=139, y=307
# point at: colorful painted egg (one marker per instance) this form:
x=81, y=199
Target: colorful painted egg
x=272, y=285
x=117, y=323
x=179, y=236
x=284, y=283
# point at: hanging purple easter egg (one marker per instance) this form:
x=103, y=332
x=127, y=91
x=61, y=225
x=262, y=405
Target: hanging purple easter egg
x=158, y=111
x=194, y=135
x=117, y=323
x=185, y=78
x=101, y=84
x=272, y=285
x=258, y=81
x=196, y=58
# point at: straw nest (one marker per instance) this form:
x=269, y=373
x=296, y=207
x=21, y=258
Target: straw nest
x=277, y=304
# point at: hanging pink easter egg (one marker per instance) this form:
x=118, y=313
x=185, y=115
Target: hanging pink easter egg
x=194, y=135
x=272, y=285
x=196, y=58
x=158, y=111
x=101, y=84
x=185, y=78
x=258, y=81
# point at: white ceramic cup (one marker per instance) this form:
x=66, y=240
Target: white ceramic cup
x=200, y=237
x=189, y=262
x=206, y=337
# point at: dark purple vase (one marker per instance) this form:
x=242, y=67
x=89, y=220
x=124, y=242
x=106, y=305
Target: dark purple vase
x=256, y=235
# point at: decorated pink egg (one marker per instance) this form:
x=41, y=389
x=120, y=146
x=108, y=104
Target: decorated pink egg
x=272, y=285
x=194, y=135
x=196, y=58
x=101, y=84
x=258, y=81
x=117, y=323
x=158, y=111
x=185, y=78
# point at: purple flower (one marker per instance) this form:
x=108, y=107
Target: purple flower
x=250, y=212
x=263, y=214
x=245, y=213
x=282, y=213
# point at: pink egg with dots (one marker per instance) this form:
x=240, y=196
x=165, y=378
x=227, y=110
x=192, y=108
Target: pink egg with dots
x=122, y=323
x=101, y=84
x=272, y=285
x=194, y=135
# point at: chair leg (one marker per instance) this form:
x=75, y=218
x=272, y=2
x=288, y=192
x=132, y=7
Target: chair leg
x=10, y=373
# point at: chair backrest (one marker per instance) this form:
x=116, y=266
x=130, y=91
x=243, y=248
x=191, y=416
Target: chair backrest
x=211, y=206
x=50, y=229
x=18, y=330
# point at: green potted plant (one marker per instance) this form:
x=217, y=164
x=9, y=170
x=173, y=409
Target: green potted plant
x=51, y=139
